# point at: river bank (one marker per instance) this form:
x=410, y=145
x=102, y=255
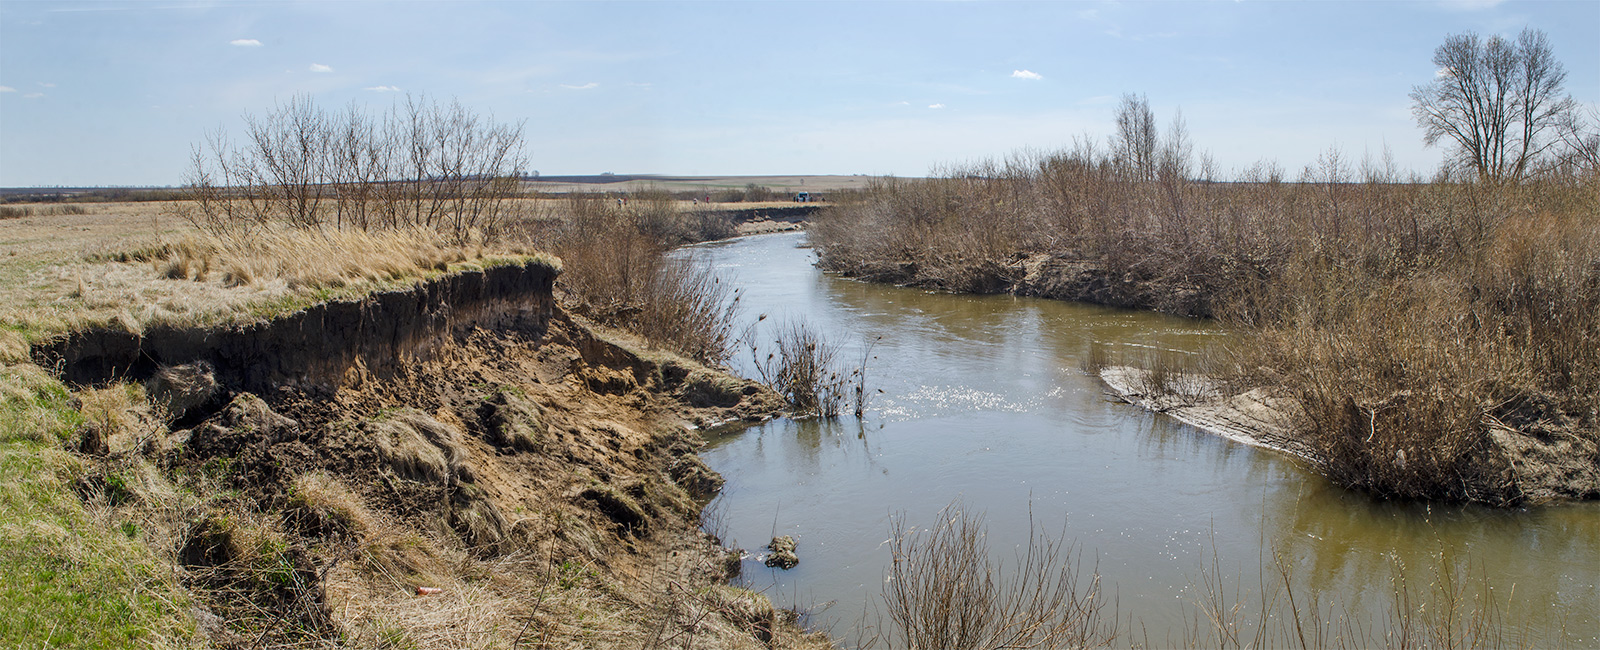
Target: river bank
x=1414, y=325
x=984, y=401
x=441, y=460
x=1534, y=469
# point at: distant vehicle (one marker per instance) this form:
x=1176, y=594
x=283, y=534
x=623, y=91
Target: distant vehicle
x=803, y=197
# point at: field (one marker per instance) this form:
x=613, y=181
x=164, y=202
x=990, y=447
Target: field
x=703, y=184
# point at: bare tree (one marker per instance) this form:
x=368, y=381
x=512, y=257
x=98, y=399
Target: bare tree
x=1498, y=101
x=1580, y=142
x=1135, y=142
x=422, y=165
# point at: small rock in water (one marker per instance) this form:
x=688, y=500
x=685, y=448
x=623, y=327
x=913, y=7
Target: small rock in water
x=782, y=555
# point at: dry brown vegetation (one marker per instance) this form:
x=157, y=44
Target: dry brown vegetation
x=134, y=266
x=543, y=487
x=1429, y=332
x=945, y=590
x=618, y=270
x=1406, y=319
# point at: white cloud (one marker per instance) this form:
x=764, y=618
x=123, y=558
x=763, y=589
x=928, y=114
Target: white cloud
x=1443, y=72
x=33, y=95
x=7, y=89
x=1469, y=5
x=935, y=106
x=318, y=67
x=47, y=84
x=383, y=89
x=1026, y=74
x=245, y=42
x=588, y=86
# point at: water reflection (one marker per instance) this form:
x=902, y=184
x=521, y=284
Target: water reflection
x=983, y=401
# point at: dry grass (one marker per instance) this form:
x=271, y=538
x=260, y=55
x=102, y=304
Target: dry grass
x=1445, y=606
x=126, y=266
x=946, y=590
x=20, y=211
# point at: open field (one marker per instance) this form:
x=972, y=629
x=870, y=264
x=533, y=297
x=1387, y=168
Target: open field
x=133, y=265
x=707, y=184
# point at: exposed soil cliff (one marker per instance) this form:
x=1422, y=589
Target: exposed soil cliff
x=459, y=464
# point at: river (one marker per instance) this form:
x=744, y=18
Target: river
x=982, y=402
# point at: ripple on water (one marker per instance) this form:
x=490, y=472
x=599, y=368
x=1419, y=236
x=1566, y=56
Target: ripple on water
x=936, y=401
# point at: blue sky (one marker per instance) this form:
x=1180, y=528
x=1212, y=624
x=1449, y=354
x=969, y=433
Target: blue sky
x=117, y=93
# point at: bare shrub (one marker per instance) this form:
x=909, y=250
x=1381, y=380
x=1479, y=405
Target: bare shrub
x=1417, y=315
x=618, y=271
x=801, y=367
x=945, y=590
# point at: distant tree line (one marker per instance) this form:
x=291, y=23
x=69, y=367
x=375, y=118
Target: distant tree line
x=420, y=164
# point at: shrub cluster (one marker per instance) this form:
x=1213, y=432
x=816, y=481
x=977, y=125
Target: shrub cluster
x=618, y=270
x=1406, y=318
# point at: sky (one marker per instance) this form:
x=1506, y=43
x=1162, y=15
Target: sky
x=101, y=94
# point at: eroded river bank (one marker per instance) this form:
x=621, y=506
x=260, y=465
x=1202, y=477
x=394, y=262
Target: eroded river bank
x=983, y=401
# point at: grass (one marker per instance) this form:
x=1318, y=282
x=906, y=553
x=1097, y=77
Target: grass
x=69, y=273
x=19, y=211
x=70, y=580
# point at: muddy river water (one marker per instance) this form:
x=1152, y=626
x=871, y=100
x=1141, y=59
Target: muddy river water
x=983, y=403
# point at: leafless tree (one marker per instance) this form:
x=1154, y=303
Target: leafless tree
x=1135, y=142
x=1498, y=101
x=1174, y=164
x=422, y=164
x=1580, y=142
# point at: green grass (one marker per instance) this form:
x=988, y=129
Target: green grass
x=65, y=580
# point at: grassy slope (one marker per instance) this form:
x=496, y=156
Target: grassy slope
x=69, y=580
